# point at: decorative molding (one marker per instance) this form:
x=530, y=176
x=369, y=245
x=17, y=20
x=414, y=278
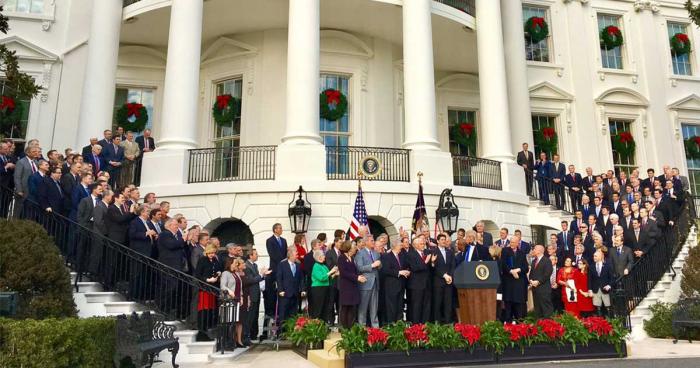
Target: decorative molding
x=251, y=76
x=548, y=91
x=27, y=50
x=651, y=5
x=690, y=103
x=676, y=123
x=362, y=49
x=603, y=120
x=364, y=76
x=674, y=82
x=229, y=46
x=622, y=96
x=569, y=122
x=643, y=121
x=580, y=1
x=45, y=82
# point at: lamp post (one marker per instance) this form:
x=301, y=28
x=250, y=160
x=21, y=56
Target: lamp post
x=447, y=212
x=299, y=213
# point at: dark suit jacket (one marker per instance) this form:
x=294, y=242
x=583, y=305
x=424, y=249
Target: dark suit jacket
x=348, y=286
x=68, y=183
x=530, y=160
x=597, y=282
x=574, y=182
x=276, y=253
x=79, y=192
x=92, y=161
x=104, y=143
x=87, y=150
x=170, y=250
x=443, y=266
x=34, y=183
x=569, y=241
x=420, y=271
x=587, y=183
x=480, y=253
x=544, y=170
x=140, y=141
x=393, y=283
x=138, y=240
x=644, y=243
x=621, y=262
x=110, y=154
x=6, y=175
x=488, y=239
x=252, y=280
x=84, y=214
x=558, y=172
x=542, y=273
x=291, y=284
x=50, y=196
x=514, y=290
x=99, y=214
x=117, y=223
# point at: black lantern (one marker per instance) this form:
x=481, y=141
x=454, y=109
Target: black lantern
x=299, y=213
x=447, y=212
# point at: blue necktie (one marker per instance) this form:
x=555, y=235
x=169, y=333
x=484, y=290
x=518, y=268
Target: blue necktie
x=294, y=269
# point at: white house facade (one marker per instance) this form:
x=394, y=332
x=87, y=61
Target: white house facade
x=412, y=71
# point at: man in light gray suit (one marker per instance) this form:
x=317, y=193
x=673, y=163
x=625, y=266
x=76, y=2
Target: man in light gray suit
x=24, y=168
x=368, y=264
x=621, y=257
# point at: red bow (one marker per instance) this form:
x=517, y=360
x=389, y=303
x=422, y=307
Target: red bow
x=133, y=109
x=222, y=101
x=612, y=30
x=626, y=137
x=466, y=128
x=538, y=21
x=7, y=103
x=332, y=96
x=682, y=37
x=696, y=139
x=548, y=133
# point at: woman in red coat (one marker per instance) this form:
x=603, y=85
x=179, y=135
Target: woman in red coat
x=564, y=277
x=585, y=298
x=300, y=245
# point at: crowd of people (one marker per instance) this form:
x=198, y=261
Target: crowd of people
x=618, y=219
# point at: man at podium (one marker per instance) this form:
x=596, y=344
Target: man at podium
x=470, y=251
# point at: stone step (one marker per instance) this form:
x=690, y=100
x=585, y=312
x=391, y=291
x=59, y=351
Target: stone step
x=89, y=287
x=641, y=310
x=186, y=336
x=201, y=347
x=636, y=320
x=329, y=345
x=649, y=301
x=323, y=359
x=657, y=293
x=103, y=297
x=117, y=308
x=227, y=356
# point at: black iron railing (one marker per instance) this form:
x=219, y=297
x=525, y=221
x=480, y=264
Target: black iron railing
x=696, y=205
x=139, y=277
x=476, y=172
x=648, y=269
x=386, y=164
x=231, y=164
x=467, y=6
x=552, y=193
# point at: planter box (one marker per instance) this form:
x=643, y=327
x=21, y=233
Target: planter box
x=418, y=358
x=303, y=349
x=545, y=352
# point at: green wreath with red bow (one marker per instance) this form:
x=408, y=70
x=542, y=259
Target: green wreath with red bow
x=680, y=44
x=536, y=29
x=623, y=144
x=225, y=109
x=465, y=135
x=132, y=116
x=692, y=148
x=333, y=104
x=10, y=110
x=611, y=37
x=547, y=140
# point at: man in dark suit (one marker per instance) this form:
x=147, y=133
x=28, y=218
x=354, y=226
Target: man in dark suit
x=615, y=204
x=527, y=161
x=638, y=239
x=332, y=255
x=146, y=144
x=565, y=239
x=588, y=181
x=577, y=221
x=24, y=168
x=7, y=169
x=600, y=280
x=649, y=181
x=443, y=271
x=141, y=240
x=473, y=252
x=276, y=247
x=96, y=160
x=289, y=285
x=171, y=253
x=51, y=196
x=107, y=138
x=419, y=301
x=621, y=258
x=544, y=177
x=114, y=156
x=395, y=272
x=558, y=175
x=514, y=281
x=69, y=180
x=87, y=150
x=540, y=273
x=86, y=220
x=252, y=283
x=80, y=191
x=481, y=233
x=574, y=182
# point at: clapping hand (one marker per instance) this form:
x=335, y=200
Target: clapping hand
x=376, y=264
x=361, y=279
x=405, y=273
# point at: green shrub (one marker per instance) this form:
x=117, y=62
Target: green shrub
x=68, y=342
x=690, y=284
x=31, y=265
x=660, y=323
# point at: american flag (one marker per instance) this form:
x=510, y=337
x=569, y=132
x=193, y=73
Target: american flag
x=359, y=215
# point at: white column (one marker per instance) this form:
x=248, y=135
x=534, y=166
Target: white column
x=494, y=110
x=420, y=125
x=97, y=102
x=303, y=73
x=516, y=72
x=181, y=92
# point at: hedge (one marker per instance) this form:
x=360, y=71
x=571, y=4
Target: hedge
x=68, y=342
x=660, y=324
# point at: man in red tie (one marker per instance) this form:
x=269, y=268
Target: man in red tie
x=24, y=168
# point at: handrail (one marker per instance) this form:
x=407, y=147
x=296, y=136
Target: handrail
x=476, y=172
x=216, y=164
x=557, y=195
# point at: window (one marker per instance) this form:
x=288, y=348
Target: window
x=16, y=130
x=336, y=133
x=681, y=63
x=690, y=130
x=611, y=59
x=536, y=51
x=143, y=96
x=25, y=6
x=228, y=138
x=626, y=164
x=454, y=119
x=540, y=122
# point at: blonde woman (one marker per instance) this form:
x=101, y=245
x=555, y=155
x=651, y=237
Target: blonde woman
x=232, y=287
x=208, y=270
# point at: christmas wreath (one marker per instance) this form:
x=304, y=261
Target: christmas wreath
x=536, y=29
x=225, y=109
x=692, y=148
x=132, y=116
x=680, y=44
x=334, y=104
x=10, y=110
x=611, y=37
x=623, y=144
x=465, y=135
x=546, y=140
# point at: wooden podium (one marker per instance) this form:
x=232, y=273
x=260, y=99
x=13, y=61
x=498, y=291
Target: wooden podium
x=476, y=284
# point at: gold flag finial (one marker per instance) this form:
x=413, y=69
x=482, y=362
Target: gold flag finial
x=420, y=177
x=359, y=178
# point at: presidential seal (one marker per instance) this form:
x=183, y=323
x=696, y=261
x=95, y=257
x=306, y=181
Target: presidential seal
x=370, y=166
x=482, y=272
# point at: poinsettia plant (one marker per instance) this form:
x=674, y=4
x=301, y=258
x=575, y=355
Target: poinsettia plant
x=307, y=331
x=692, y=147
x=376, y=338
x=521, y=334
x=551, y=331
x=442, y=336
x=470, y=334
x=416, y=335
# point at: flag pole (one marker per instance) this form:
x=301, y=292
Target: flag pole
x=359, y=179
x=420, y=177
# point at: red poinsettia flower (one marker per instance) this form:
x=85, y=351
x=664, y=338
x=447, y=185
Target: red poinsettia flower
x=466, y=129
x=598, y=325
x=682, y=38
x=551, y=328
x=612, y=30
x=538, y=21
x=416, y=334
x=548, y=133
x=376, y=336
x=471, y=333
x=300, y=323
x=696, y=139
x=626, y=137
x=520, y=331
x=333, y=96
x=222, y=101
x=7, y=103
x=133, y=109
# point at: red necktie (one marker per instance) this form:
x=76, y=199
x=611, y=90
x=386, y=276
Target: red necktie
x=33, y=166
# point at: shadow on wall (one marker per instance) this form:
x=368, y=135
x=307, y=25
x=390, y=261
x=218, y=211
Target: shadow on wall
x=231, y=230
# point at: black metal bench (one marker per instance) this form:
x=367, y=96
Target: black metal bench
x=141, y=338
x=686, y=316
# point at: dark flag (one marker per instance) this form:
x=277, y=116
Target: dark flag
x=420, y=215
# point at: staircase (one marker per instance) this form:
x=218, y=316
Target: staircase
x=667, y=290
x=91, y=301
x=546, y=215
x=328, y=357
